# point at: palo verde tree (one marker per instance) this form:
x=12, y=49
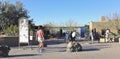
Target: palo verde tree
x=114, y=19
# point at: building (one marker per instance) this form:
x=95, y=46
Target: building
x=113, y=25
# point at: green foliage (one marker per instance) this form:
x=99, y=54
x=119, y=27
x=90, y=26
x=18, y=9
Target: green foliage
x=31, y=27
x=10, y=13
x=12, y=30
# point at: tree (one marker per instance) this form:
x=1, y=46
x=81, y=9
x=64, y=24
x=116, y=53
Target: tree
x=31, y=27
x=9, y=17
x=10, y=13
x=70, y=23
x=50, y=26
x=114, y=19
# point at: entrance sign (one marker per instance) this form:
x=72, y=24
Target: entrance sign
x=23, y=30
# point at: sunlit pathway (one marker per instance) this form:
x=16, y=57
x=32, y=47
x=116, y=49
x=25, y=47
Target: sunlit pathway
x=57, y=51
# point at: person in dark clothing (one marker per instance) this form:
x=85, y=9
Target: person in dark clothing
x=72, y=36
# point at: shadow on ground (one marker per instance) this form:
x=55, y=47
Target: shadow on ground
x=63, y=49
x=91, y=49
x=53, y=42
x=84, y=50
x=21, y=55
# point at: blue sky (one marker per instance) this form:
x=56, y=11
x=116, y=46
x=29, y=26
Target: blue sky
x=60, y=11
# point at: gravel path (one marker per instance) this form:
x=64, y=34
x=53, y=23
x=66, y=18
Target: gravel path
x=58, y=51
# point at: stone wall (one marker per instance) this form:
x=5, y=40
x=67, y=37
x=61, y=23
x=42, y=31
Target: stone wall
x=12, y=41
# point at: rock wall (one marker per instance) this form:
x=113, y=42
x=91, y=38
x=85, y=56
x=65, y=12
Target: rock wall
x=13, y=41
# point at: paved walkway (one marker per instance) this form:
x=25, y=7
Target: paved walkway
x=58, y=51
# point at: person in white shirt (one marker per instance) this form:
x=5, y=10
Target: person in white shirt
x=92, y=37
x=73, y=35
x=107, y=35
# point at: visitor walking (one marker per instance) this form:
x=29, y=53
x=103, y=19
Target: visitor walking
x=40, y=38
x=66, y=37
x=92, y=36
x=107, y=32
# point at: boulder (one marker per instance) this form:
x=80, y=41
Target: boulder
x=73, y=47
x=4, y=50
